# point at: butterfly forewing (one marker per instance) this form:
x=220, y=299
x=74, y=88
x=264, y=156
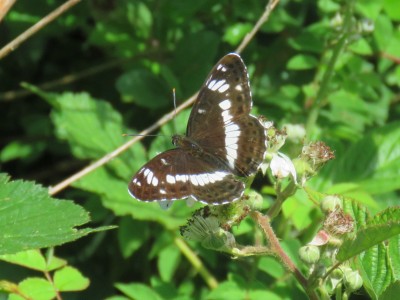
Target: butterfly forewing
x=220, y=121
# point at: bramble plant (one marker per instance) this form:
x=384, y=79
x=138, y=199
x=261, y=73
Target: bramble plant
x=320, y=220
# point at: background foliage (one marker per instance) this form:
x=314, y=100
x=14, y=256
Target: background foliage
x=124, y=57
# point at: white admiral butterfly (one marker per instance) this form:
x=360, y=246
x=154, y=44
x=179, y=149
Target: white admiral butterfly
x=223, y=141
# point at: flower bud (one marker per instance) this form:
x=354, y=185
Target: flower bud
x=309, y=254
x=352, y=281
x=330, y=203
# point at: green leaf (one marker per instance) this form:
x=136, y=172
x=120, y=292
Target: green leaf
x=391, y=214
x=168, y=261
x=91, y=126
x=131, y=235
x=370, y=9
x=391, y=292
x=70, y=279
x=227, y=290
x=373, y=162
x=394, y=44
x=34, y=259
x=354, y=191
x=138, y=291
x=372, y=231
x=168, y=290
x=35, y=288
x=375, y=257
x=361, y=47
x=263, y=294
x=302, y=62
x=140, y=16
x=238, y=288
x=235, y=33
x=366, y=238
x=193, y=57
x=31, y=219
x=298, y=209
x=350, y=109
x=21, y=150
x=391, y=9
x=394, y=254
x=311, y=39
x=383, y=32
x=142, y=87
x=271, y=266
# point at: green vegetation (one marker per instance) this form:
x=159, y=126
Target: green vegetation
x=325, y=72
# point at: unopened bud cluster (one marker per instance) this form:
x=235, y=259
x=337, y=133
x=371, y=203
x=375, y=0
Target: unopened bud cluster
x=320, y=253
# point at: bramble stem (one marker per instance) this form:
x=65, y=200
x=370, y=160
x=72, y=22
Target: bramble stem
x=263, y=222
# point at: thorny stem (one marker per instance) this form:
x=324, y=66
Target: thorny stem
x=263, y=222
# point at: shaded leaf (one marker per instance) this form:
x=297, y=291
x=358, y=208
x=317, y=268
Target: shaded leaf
x=194, y=56
x=144, y=88
x=131, y=235
x=302, y=62
x=168, y=261
x=138, y=291
x=373, y=162
x=391, y=292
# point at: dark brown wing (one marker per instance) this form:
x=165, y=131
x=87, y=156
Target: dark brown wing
x=176, y=174
x=220, y=121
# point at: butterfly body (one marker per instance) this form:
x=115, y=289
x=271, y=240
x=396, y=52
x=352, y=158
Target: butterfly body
x=222, y=142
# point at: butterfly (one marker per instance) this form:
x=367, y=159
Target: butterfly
x=223, y=142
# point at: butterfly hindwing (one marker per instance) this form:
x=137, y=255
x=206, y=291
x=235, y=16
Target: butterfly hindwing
x=175, y=174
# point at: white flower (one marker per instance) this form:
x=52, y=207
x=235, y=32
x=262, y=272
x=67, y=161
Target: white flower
x=281, y=166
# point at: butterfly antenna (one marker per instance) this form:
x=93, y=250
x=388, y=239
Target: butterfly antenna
x=175, y=113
